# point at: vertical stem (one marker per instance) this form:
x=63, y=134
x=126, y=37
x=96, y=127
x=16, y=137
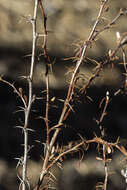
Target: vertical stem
x=105, y=167
x=47, y=62
x=102, y=136
x=125, y=67
x=47, y=109
x=30, y=97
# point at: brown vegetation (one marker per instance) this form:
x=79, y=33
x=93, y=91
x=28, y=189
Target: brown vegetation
x=55, y=153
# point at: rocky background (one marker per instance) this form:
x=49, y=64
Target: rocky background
x=69, y=22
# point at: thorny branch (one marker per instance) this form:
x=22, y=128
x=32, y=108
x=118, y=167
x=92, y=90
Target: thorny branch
x=27, y=101
x=70, y=93
x=30, y=98
x=94, y=33
x=79, y=62
x=110, y=24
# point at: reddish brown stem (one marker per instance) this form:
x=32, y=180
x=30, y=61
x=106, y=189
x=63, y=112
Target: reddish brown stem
x=47, y=62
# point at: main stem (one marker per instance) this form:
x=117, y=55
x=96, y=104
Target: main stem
x=30, y=100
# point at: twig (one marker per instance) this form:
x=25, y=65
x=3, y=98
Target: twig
x=108, y=26
x=99, y=68
x=123, y=87
x=111, y=55
x=103, y=114
x=105, y=167
x=102, y=136
x=125, y=68
x=20, y=95
x=74, y=148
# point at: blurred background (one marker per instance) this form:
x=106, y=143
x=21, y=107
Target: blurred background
x=69, y=24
